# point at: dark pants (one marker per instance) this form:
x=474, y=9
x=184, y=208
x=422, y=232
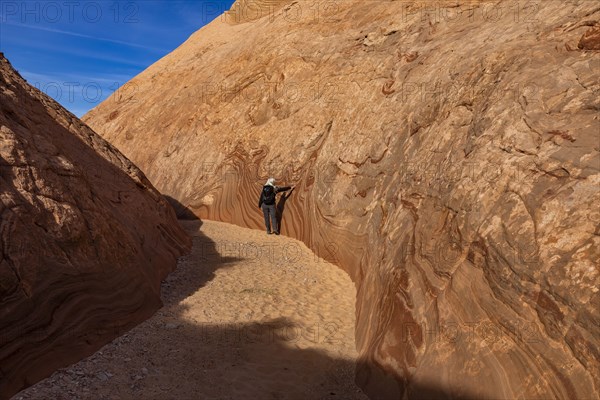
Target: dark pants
x=270, y=218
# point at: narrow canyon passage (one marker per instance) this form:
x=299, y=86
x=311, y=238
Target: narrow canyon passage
x=247, y=316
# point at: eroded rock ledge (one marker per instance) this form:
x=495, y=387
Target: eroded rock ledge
x=85, y=239
x=447, y=159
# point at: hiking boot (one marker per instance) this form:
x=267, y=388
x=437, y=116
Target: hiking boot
x=277, y=232
x=269, y=233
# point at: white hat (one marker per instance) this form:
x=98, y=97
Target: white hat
x=270, y=182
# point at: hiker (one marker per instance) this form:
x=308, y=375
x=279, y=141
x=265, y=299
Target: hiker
x=267, y=203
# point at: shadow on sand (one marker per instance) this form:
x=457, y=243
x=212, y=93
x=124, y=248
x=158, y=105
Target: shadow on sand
x=198, y=267
x=259, y=360
x=256, y=359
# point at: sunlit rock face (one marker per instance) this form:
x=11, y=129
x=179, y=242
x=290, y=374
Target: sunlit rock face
x=446, y=156
x=85, y=238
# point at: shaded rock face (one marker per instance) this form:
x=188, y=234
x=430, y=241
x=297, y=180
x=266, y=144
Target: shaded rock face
x=85, y=238
x=448, y=159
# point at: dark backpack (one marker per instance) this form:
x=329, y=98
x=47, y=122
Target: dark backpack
x=269, y=195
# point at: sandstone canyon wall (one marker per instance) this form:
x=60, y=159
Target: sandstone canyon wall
x=446, y=155
x=85, y=238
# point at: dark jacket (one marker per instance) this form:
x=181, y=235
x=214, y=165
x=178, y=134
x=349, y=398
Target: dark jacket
x=277, y=190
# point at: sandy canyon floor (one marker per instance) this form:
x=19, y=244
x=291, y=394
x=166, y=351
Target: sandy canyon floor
x=247, y=316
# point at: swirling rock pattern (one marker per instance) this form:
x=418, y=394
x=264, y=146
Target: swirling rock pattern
x=85, y=239
x=446, y=156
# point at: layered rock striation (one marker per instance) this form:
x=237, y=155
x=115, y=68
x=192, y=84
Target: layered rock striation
x=446, y=156
x=85, y=239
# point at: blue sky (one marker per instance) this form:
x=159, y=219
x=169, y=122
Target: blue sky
x=79, y=52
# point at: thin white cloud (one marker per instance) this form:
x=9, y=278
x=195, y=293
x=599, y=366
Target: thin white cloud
x=106, y=79
x=121, y=42
x=85, y=53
